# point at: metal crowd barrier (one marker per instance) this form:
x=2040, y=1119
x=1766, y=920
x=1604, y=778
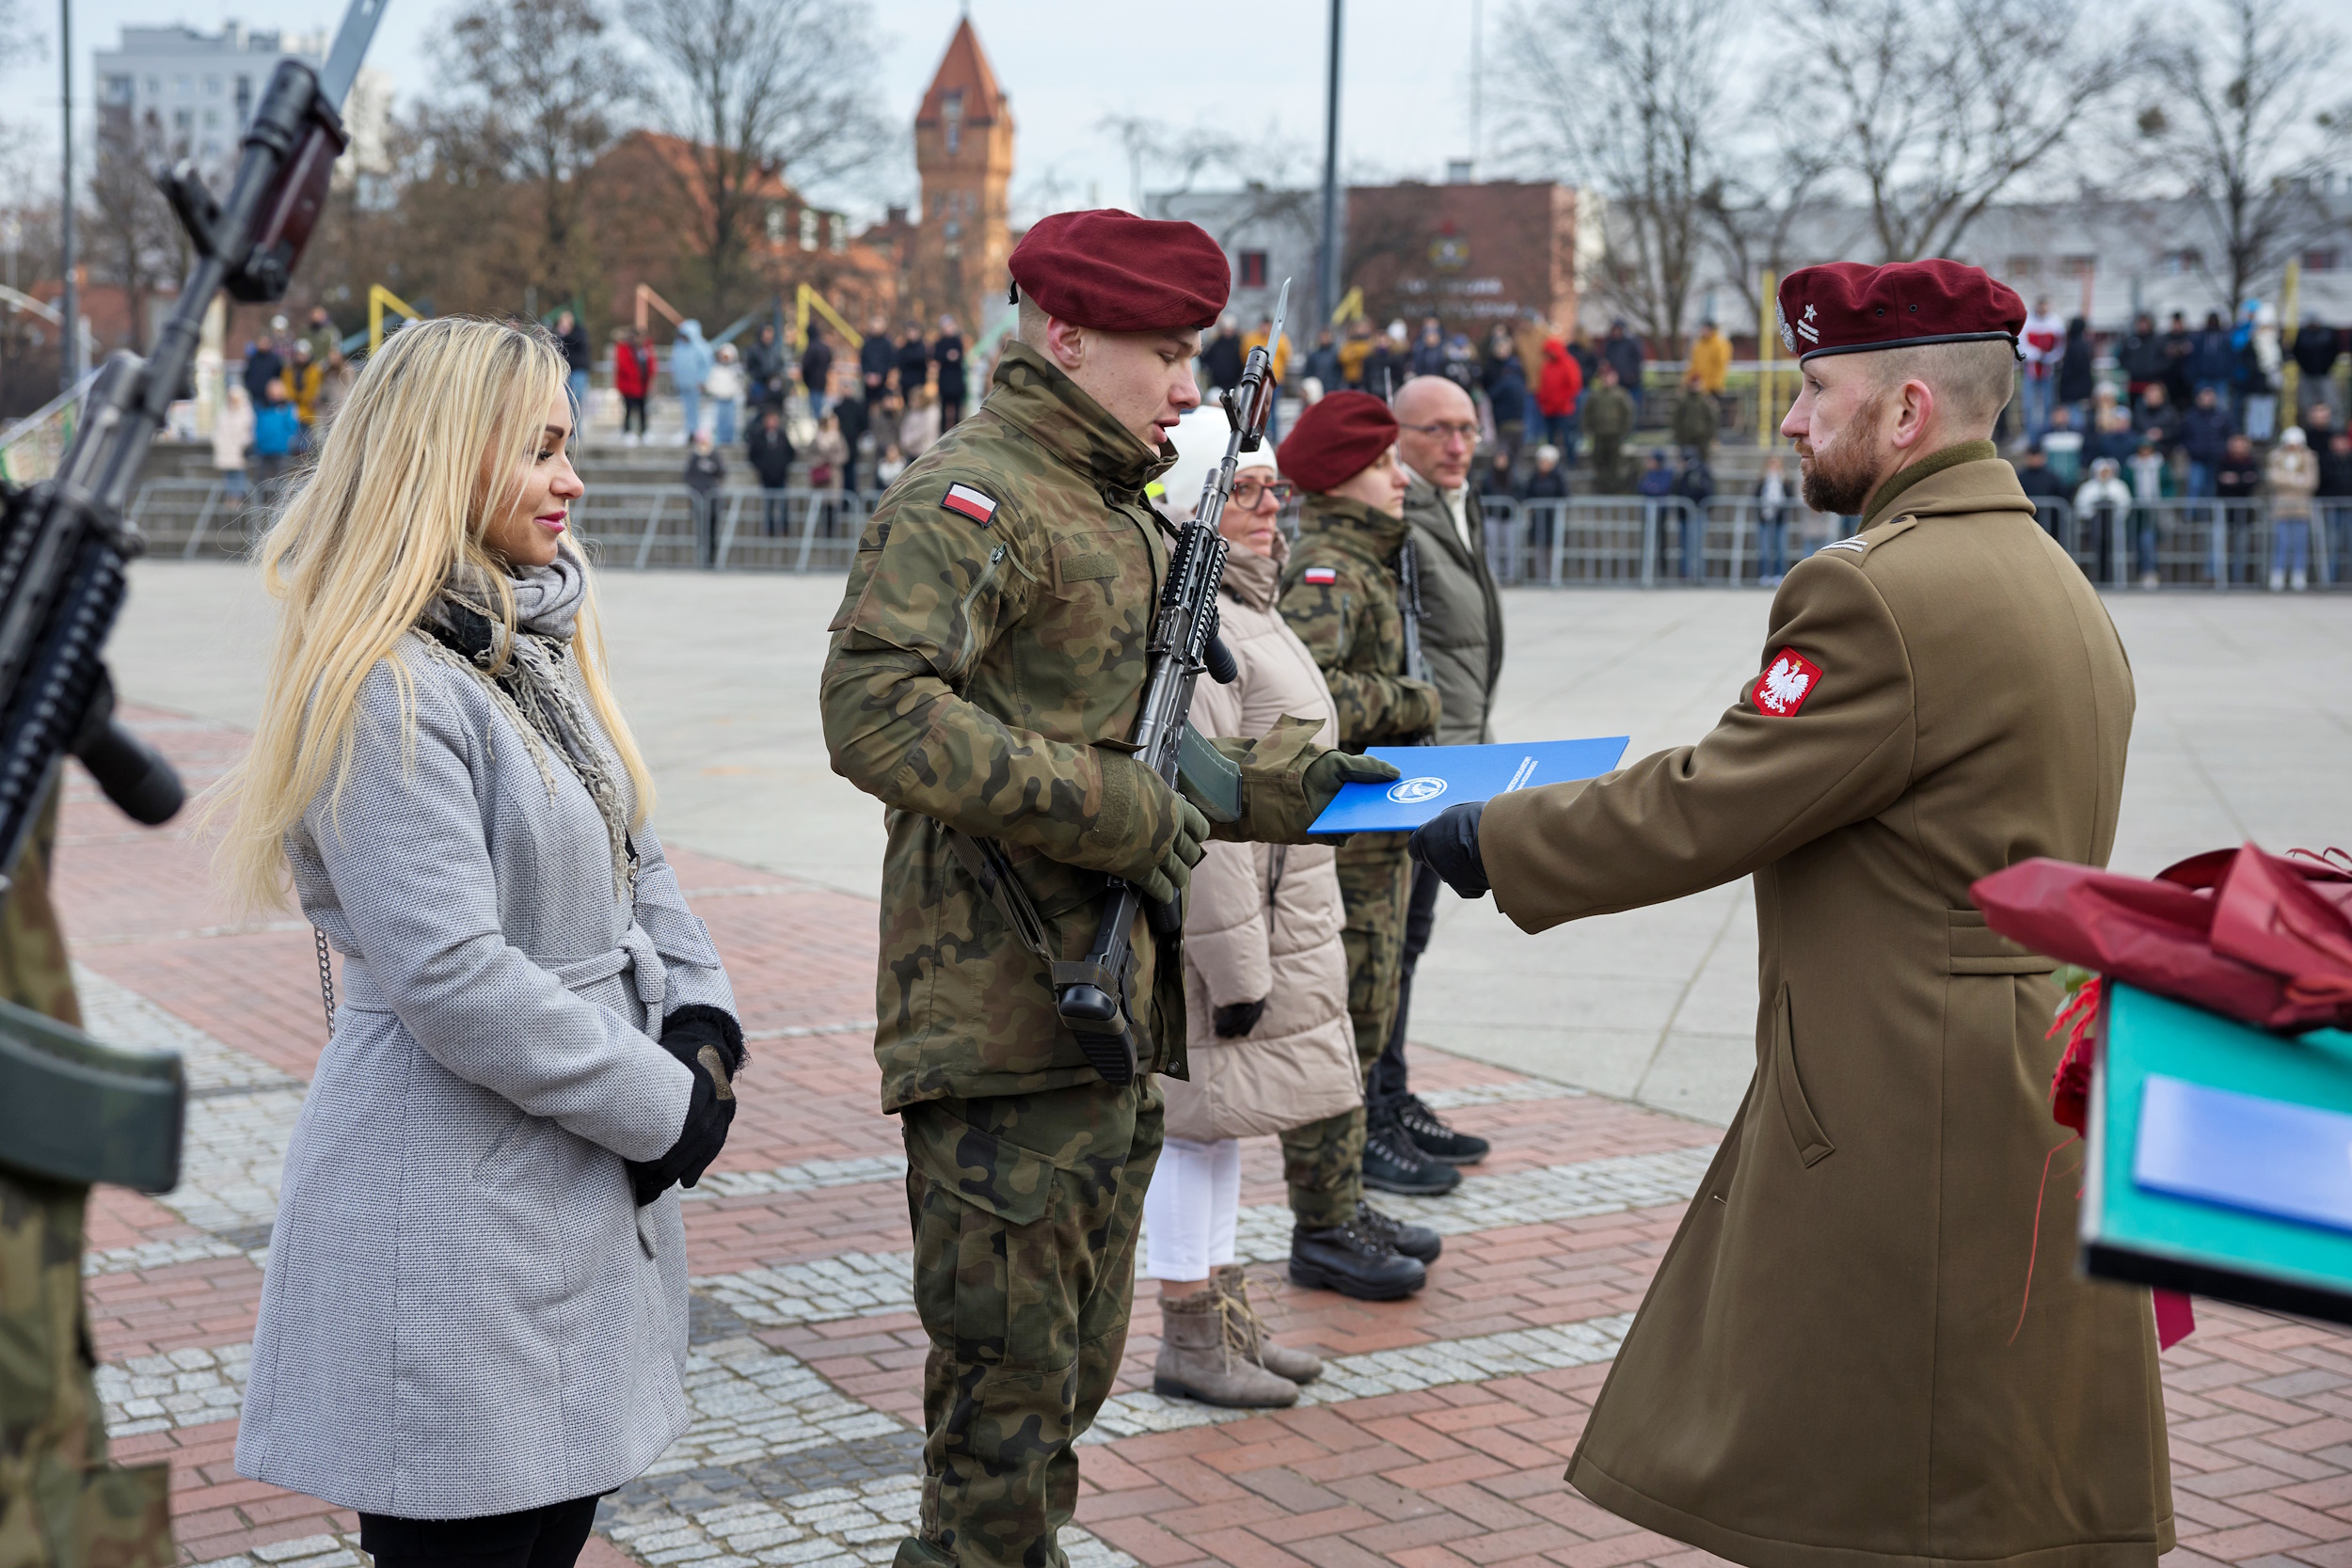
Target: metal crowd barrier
x=636, y=526
x=2185, y=541
x=1576, y=541
x=1639, y=541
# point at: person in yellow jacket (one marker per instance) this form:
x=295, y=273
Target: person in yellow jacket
x=1710, y=360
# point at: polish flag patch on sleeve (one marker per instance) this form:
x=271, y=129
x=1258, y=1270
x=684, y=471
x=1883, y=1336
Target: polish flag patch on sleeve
x=1785, y=683
x=1321, y=577
x=963, y=499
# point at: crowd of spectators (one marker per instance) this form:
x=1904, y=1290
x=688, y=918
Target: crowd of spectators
x=2193, y=414
x=281, y=397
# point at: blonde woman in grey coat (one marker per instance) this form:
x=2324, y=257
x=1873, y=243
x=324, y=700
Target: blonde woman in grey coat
x=474, y=1317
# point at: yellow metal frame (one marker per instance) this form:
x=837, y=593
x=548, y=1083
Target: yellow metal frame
x=1767, y=338
x=2291, y=380
x=646, y=297
x=804, y=298
x=1350, y=307
x=378, y=297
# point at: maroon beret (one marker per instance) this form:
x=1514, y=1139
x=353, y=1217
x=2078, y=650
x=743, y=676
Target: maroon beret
x=1115, y=272
x=1335, y=440
x=1847, y=307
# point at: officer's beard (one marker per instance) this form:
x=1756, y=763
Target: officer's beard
x=1840, y=477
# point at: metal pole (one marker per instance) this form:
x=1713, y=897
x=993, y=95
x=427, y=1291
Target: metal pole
x=1328, y=284
x=1478, y=37
x=70, y=331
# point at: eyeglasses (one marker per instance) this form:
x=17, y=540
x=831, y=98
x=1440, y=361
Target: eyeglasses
x=1468, y=431
x=1248, y=492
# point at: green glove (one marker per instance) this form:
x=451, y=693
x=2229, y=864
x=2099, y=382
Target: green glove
x=1165, y=881
x=1335, y=767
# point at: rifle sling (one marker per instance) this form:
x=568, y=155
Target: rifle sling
x=986, y=861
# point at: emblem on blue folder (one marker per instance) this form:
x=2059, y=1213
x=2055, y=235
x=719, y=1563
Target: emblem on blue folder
x=1442, y=776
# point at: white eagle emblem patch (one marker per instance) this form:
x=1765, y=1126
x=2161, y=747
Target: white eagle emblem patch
x=1785, y=684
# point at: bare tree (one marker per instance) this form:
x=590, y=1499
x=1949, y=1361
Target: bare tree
x=2242, y=117
x=760, y=90
x=1752, y=214
x=134, y=239
x=1177, y=160
x=1626, y=98
x=1932, y=111
x=537, y=80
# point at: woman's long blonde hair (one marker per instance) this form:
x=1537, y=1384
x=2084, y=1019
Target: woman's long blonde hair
x=417, y=463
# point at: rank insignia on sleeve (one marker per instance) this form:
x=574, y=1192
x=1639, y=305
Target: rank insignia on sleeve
x=963, y=499
x=1785, y=684
x=1321, y=576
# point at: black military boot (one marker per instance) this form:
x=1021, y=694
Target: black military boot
x=1394, y=1163
x=1353, y=1262
x=1413, y=1241
x=1434, y=1138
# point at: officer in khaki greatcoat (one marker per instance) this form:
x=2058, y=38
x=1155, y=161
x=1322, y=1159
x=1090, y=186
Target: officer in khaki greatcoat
x=1839, y=1361
x=988, y=662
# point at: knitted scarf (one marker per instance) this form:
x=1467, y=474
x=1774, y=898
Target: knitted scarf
x=530, y=676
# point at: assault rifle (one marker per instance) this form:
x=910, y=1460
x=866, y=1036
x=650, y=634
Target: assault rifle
x=65, y=542
x=71, y=1108
x=1092, y=993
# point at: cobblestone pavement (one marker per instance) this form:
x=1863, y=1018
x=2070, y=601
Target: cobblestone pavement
x=1435, y=1439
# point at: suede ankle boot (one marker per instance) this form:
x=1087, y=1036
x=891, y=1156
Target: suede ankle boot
x=1202, y=1357
x=1298, y=1366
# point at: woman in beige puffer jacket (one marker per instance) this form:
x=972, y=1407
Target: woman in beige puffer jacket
x=1265, y=993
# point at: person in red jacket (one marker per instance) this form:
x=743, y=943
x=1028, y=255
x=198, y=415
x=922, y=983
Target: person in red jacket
x=1558, y=391
x=633, y=377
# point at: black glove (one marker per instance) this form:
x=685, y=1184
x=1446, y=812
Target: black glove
x=1335, y=767
x=1236, y=1019
x=710, y=1043
x=1448, y=844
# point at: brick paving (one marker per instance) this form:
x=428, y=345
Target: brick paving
x=1436, y=1439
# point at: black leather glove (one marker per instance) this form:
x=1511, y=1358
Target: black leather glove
x=1448, y=844
x=710, y=1043
x=1335, y=767
x=1236, y=1019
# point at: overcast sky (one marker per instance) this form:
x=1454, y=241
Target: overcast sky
x=1241, y=64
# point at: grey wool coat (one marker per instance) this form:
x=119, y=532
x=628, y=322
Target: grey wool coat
x=465, y=1311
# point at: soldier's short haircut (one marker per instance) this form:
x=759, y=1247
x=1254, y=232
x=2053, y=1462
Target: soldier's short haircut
x=1033, y=320
x=1973, y=381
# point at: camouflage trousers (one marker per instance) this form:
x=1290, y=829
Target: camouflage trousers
x=1025, y=1211
x=61, y=1504
x=1323, y=1161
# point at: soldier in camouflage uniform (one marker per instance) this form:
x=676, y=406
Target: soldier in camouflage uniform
x=61, y=1504
x=1340, y=595
x=988, y=662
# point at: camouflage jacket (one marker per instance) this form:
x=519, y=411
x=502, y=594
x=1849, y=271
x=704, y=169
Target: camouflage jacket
x=1340, y=595
x=991, y=645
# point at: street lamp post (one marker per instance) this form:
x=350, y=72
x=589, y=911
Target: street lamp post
x=68, y=330
x=1328, y=275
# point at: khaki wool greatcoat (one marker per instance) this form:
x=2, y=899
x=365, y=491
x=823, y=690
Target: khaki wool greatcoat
x=1824, y=1371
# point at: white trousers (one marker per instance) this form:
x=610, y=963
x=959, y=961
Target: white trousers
x=1190, y=1208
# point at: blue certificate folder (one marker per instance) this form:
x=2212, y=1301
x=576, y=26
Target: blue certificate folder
x=2220, y=1157
x=1436, y=777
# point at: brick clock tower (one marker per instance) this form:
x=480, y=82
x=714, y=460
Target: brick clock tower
x=963, y=152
